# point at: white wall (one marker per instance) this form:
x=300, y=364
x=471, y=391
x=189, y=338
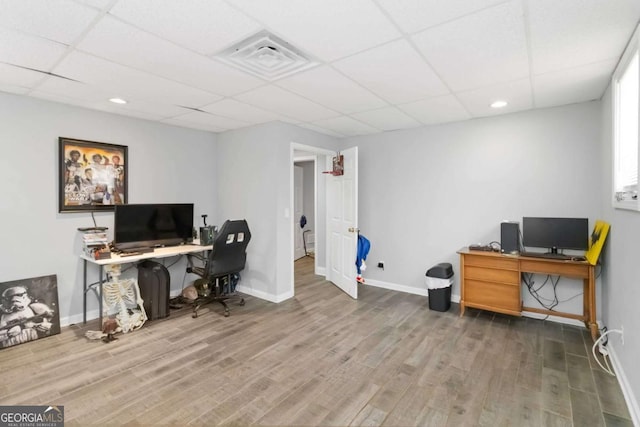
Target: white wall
x=166, y=164
x=254, y=174
x=621, y=271
x=427, y=192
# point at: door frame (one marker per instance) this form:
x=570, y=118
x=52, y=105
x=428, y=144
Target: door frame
x=314, y=152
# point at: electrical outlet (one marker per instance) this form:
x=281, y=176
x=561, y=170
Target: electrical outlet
x=381, y=264
x=602, y=347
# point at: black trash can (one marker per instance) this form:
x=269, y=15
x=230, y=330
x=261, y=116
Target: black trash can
x=439, y=281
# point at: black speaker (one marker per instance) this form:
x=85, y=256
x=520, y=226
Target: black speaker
x=510, y=237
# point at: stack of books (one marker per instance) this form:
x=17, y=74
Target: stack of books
x=95, y=243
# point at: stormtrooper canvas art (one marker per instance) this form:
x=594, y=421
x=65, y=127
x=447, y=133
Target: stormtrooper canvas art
x=28, y=310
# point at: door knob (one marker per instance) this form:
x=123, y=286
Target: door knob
x=353, y=230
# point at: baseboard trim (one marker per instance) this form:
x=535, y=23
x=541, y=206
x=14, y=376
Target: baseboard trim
x=396, y=287
x=627, y=392
x=402, y=288
x=76, y=319
x=556, y=319
x=93, y=314
x=456, y=298
x=321, y=271
x=265, y=296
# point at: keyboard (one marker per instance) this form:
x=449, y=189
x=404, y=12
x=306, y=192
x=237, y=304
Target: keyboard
x=546, y=255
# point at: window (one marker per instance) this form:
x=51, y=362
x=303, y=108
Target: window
x=626, y=107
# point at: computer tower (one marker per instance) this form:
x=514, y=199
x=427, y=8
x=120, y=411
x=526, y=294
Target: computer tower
x=510, y=237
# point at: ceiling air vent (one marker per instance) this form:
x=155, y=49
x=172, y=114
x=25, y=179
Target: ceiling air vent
x=266, y=56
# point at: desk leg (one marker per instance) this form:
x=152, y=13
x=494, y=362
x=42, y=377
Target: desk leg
x=84, y=295
x=461, y=285
x=100, y=298
x=590, y=286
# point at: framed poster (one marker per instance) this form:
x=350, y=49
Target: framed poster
x=28, y=310
x=92, y=175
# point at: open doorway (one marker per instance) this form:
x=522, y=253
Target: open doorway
x=308, y=198
x=335, y=215
x=304, y=207
x=304, y=216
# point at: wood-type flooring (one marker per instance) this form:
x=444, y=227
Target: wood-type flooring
x=319, y=359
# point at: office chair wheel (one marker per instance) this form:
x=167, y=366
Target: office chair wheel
x=242, y=301
x=194, y=315
x=226, y=313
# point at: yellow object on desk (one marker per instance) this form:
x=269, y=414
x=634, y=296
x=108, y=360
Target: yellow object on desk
x=596, y=241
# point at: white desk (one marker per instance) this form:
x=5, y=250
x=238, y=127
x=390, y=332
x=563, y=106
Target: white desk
x=164, y=252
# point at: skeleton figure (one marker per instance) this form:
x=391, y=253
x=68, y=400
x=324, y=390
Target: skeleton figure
x=21, y=319
x=122, y=301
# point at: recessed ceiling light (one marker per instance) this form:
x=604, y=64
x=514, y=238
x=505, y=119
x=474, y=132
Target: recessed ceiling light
x=499, y=104
x=118, y=101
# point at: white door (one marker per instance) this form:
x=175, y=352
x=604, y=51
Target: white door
x=298, y=201
x=342, y=217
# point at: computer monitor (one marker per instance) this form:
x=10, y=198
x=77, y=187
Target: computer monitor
x=555, y=233
x=152, y=225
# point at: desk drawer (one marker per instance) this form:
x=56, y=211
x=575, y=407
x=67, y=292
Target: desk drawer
x=500, y=262
x=495, y=295
x=491, y=274
x=561, y=268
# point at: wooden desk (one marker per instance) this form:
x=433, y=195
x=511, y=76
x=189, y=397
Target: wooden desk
x=492, y=281
x=163, y=252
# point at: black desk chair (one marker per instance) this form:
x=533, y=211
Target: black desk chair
x=225, y=261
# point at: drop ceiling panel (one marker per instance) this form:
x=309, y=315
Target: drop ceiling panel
x=157, y=109
x=99, y=4
x=19, y=76
x=29, y=51
x=383, y=63
x=280, y=101
x=98, y=105
x=80, y=94
x=320, y=130
x=9, y=88
x=327, y=29
x=112, y=108
x=204, y=26
x=62, y=99
x=387, y=119
x=75, y=91
x=572, y=85
x=326, y=86
x=346, y=126
x=211, y=120
x=478, y=50
x=416, y=15
x=563, y=38
x=517, y=93
x=130, y=84
x=127, y=45
x=441, y=109
x=394, y=71
x=240, y=111
x=61, y=20
x=193, y=125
